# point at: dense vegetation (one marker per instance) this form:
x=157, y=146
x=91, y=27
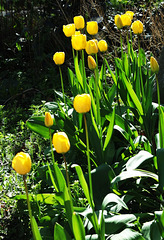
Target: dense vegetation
x=124, y=124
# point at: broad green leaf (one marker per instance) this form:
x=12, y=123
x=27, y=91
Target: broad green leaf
x=127, y=234
x=110, y=130
x=35, y=230
x=113, y=198
x=77, y=70
x=116, y=223
x=60, y=233
x=83, y=183
x=161, y=127
x=138, y=159
x=133, y=174
x=37, y=125
x=78, y=227
x=160, y=163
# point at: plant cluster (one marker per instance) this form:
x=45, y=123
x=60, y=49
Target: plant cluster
x=111, y=140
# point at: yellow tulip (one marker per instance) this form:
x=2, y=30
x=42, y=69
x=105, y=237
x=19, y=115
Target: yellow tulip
x=48, y=119
x=22, y=163
x=79, y=41
x=77, y=33
x=126, y=20
x=92, y=27
x=61, y=142
x=118, y=21
x=59, y=58
x=137, y=27
x=154, y=65
x=130, y=14
x=92, y=47
x=82, y=103
x=91, y=63
x=69, y=29
x=79, y=22
x=102, y=45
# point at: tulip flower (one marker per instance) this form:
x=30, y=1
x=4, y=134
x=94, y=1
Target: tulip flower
x=79, y=22
x=154, y=65
x=69, y=30
x=92, y=47
x=79, y=41
x=91, y=63
x=126, y=20
x=59, y=58
x=82, y=103
x=102, y=45
x=22, y=163
x=130, y=14
x=92, y=27
x=137, y=27
x=61, y=142
x=118, y=21
x=48, y=119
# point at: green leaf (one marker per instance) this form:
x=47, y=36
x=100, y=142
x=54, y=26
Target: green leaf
x=127, y=234
x=35, y=230
x=110, y=130
x=78, y=227
x=37, y=125
x=160, y=163
x=138, y=159
x=77, y=70
x=134, y=173
x=60, y=233
x=161, y=127
x=113, y=198
x=114, y=224
x=83, y=183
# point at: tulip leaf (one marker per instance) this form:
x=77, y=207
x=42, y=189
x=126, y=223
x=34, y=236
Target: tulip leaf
x=60, y=233
x=35, y=229
x=37, y=125
x=77, y=70
x=160, y=162
x=78, y=227
x=113, y=198
x=138, y=159
x=83, y=182
x=133, y=174
x=127, y=234
x=110, y=130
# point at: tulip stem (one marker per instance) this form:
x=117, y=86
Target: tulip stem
x=67, y=176
x=89, y=163
x=53, y=159
x=84, y=74
x=28, y=201
x=62, y=85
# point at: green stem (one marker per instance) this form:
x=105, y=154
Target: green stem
x=53, y=159
x=62, y=85
x=140, y=69
x=28, y=201
x=67, y=176
x=84, y=73
x=97, y=98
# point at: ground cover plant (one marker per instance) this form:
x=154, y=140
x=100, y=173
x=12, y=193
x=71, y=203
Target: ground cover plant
x=101, y=177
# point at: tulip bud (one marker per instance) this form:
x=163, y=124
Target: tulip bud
x=22, y=163
x=79, y=22
x=126, y=20
x=102, y=45
x=118, y=21
x=92, y=47
x=130, y=14
x=79, y=41
x=92, y=27
x=91, y=63
x=59, y=58
x=154, y=65
x=48, y=119
x=82, y=103
x=137, y=27
x=69, y=30
x=61, y=142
